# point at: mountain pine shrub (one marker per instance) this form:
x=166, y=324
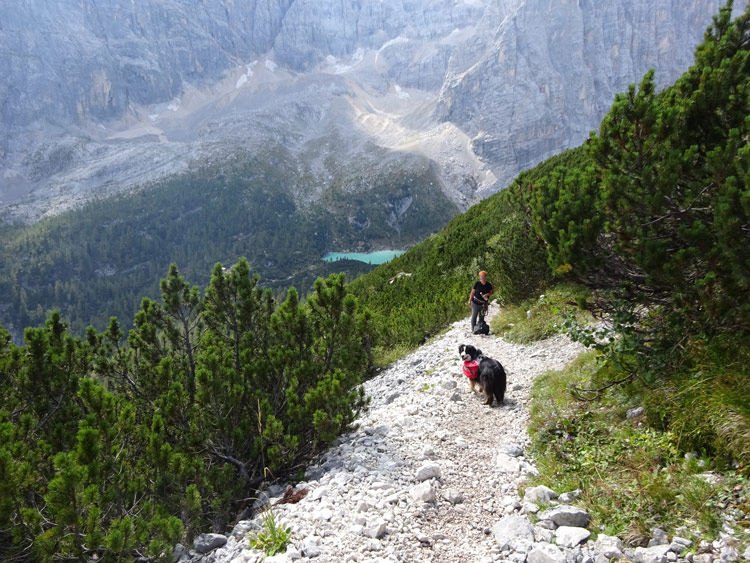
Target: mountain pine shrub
x=116, y=449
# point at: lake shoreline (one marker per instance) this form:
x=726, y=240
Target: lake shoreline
x=379, y=257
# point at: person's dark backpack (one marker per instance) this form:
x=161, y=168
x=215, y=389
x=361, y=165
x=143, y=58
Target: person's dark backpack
x=481, y=327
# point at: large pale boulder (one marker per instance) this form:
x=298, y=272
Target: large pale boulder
x=512, y=529
x=569, y=536
x=545, y=553
x=566, y=516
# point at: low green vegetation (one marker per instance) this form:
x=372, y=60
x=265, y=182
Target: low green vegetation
x=541, y=317
x=633, y=476
x=273, y=537
x=115, y=448
x=655, y=220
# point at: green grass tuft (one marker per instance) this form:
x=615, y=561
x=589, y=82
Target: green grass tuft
x=634, y=477
x=272, y=538
x=536, y=319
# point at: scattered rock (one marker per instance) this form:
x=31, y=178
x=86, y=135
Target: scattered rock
x=310, y=548
x=453, y=496
x=654, y=554
x=547, y=524
x=709, y=477
x=428, y=471
x=507, y=464
x=529, y=508
x=609, y=546
x=462, y=443
x=180, y=553
x=567, y=498
x=511, y=529
x=383, y=491
x=634, y=412
x=208, y=542
x=422, y=492
x=376, y=531
x=540, y=494
x=729, y=554
x=658, y=537
x=392, y=397
x=566, y=516
x=513, y=450
x=243, y=527
x=568, y=536
x=543, y=534
x=546, y=553
x=679, y=544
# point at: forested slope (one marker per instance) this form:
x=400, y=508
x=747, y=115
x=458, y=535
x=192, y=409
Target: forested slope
x=99, y=260
x=121, y=449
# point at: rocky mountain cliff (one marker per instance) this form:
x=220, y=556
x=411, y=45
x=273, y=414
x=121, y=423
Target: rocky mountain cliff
x=102, y=95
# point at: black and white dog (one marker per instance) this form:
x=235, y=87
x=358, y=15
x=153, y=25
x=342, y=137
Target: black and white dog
x=491, y=374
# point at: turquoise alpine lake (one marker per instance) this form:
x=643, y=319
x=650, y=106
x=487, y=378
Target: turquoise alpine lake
x=379, y=257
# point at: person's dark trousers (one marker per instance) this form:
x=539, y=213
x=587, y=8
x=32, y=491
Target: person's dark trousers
x=475, y=308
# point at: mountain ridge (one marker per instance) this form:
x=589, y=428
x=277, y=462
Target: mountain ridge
x=485, y=89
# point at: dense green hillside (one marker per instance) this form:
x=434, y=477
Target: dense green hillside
x=114, y=449
x=495, y=235
x=100, y=260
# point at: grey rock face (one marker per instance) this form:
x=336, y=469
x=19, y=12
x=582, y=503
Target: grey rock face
x=115, y=94
x=108, y=55
x=551, y=71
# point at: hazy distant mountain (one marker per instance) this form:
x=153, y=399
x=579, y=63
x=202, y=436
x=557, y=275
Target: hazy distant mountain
x=101, y=95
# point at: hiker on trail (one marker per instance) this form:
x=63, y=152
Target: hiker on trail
x=479, y=298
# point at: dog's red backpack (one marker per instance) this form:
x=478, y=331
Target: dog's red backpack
x=471, y=369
